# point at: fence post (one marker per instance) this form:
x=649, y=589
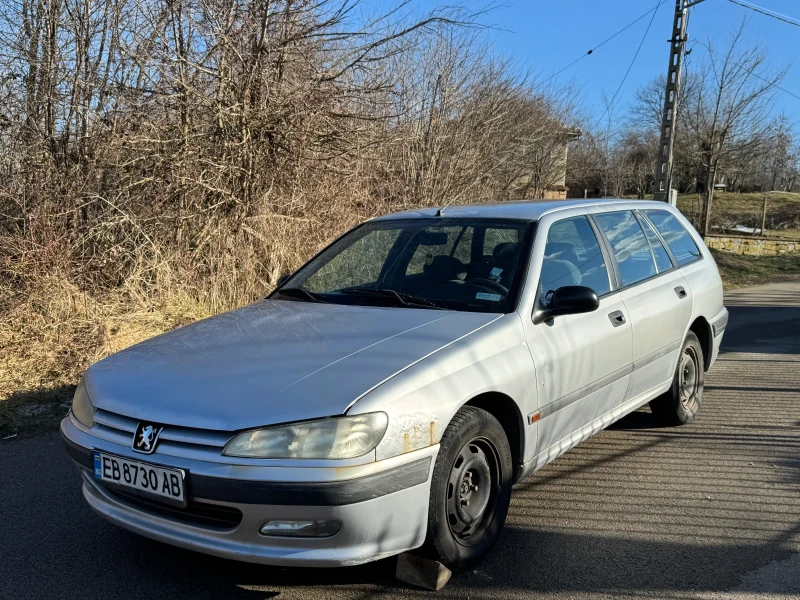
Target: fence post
x=763, y=215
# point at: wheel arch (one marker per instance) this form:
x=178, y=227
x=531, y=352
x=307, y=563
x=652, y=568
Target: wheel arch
x=505, y=410
x=702, y=329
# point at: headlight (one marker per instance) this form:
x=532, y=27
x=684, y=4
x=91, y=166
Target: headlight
x=342, y=437
x=82, y=407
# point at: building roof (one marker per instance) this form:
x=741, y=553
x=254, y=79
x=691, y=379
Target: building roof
x=531, y=211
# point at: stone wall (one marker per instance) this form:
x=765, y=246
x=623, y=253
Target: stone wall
x=752, y=246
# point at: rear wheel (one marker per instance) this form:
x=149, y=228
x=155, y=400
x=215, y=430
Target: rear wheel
x=679, y=405
x=470, y=489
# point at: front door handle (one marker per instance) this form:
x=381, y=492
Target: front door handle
x=617, y=318
x=681, y=292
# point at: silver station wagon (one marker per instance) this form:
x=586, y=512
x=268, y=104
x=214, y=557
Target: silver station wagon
x=389, y=393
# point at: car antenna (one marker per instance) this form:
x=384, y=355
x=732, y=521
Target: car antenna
x=440, y=212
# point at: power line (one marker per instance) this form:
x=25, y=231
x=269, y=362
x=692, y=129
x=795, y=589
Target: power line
x=753, y=73
x=775, y=85
x=604, y=42
x=768, y=12
x=630, y=66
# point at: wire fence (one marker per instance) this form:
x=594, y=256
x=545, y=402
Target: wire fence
x=770, y=214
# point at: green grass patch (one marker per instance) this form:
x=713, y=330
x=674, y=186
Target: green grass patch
x=742, y=271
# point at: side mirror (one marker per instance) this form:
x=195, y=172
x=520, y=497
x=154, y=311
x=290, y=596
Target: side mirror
x=282, y=279
x=567, y=300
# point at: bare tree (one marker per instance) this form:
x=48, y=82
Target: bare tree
x=208, y=145
x=782, y=157
x=728, y=113
x=641, y=152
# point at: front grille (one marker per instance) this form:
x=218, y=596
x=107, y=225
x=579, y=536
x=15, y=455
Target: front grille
x=188, y=442
x=195, y=513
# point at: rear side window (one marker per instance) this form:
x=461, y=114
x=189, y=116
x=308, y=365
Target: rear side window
x=678, y=239
x=630, y=246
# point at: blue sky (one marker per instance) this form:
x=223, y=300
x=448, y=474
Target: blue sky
x=547, y=35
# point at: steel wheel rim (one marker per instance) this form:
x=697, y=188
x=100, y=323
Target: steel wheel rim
x=689, y=377
x=472, y=491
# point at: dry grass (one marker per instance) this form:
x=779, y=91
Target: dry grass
x=51, y=332
x=59, y=312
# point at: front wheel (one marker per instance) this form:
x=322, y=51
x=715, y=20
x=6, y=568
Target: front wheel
x=679, y=405
x=470, y=489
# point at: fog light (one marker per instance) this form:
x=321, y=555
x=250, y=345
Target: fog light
x=317, y=528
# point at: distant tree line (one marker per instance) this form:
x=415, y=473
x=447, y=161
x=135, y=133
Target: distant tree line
x=727, y=133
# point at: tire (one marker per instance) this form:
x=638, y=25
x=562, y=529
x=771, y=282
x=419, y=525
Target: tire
x=465, y=516
x=679, y=405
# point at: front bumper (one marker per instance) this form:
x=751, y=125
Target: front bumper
x=383, y=512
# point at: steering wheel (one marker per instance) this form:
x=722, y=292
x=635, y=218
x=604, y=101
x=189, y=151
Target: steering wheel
x=488, y=283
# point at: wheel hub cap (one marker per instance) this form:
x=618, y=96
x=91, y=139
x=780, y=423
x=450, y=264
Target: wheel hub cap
x=689, y=377
x=470, y=490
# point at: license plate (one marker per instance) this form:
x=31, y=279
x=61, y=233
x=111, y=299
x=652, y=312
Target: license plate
x=144, y=478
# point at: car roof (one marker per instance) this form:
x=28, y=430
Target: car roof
x=531, y=210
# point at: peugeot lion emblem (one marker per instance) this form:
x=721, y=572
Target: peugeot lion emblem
x=146, y=436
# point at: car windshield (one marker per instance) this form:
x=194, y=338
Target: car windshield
x=457, y=264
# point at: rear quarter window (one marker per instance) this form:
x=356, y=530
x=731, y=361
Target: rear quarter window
x=678, y=239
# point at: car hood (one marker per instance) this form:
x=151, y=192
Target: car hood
x=274, y=361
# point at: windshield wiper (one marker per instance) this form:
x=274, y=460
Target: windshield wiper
x=404, y=299
x=302, y=294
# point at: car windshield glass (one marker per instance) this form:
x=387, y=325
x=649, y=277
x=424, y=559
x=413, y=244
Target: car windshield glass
x=457, y=264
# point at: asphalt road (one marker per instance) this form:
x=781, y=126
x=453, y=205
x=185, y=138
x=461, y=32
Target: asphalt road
x=711, y=510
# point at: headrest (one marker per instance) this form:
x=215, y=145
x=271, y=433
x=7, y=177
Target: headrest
x=505, y=251
x=557, y=273
x=562, y=250
x=557, y=247
x=446, y=267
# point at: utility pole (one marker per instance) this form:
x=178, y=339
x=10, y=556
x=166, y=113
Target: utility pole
x=669, y=119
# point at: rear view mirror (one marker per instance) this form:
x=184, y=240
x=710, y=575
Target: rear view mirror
x=567, y=300
x=434, y=238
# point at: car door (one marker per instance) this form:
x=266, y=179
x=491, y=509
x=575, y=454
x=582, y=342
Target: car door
x=582, y=361
x=655, y=294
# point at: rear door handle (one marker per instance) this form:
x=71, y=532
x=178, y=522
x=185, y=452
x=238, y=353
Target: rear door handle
x=680, y=291
x=617, y=318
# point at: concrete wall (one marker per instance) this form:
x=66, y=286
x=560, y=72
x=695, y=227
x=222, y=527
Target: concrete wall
x=752, y=246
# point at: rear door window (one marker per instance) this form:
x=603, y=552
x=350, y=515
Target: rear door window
x=629, y=244
x=663, y=261
x=678, y=239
